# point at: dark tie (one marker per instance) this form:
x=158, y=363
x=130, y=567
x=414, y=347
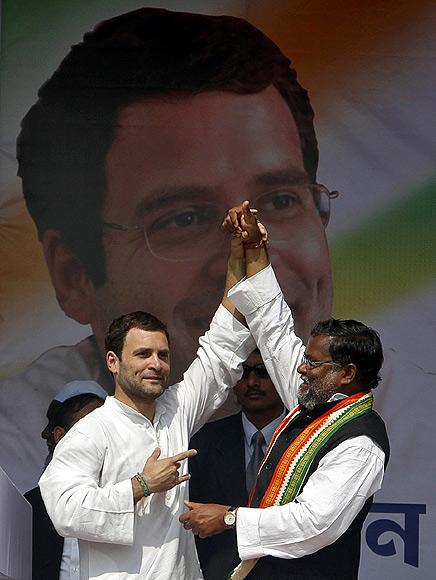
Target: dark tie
x=257, y=441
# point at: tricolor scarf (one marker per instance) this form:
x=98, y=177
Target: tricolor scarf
x=295, y=462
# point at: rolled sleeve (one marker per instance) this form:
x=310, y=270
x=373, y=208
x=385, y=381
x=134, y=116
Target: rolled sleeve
x=248, y=533
x=252, y=293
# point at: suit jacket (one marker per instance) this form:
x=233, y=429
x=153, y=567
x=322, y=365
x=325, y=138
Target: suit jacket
x=218, y=476
x=47, y=544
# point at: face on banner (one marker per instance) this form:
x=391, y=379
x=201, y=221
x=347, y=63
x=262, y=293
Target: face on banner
x=174, y=168
x=172, y=142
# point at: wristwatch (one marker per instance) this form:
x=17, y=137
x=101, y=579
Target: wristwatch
x=230, y=517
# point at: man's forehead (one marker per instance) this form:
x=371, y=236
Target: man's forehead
x=160, y=109
x=204, y=146
x=137, y=337
x=316, y=345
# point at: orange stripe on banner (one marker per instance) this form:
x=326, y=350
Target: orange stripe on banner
x=23, y=271
x=321, y=37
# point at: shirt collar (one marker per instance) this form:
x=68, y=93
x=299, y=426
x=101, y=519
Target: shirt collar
x=134, y=415
x=321, y=408
x=268, y=430
x=337, y=397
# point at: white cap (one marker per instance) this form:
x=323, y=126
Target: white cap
x=74, y=388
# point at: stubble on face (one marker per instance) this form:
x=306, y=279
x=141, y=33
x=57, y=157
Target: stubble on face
x=317, y=390
x=142, y=386
x=141, y=373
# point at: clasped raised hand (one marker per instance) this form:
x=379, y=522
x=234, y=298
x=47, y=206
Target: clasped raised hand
x=242, y=222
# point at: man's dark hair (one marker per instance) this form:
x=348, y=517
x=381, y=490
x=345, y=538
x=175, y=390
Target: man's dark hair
x=64, y=414
x=147, y=53
x=119, y=328
x=354, y=342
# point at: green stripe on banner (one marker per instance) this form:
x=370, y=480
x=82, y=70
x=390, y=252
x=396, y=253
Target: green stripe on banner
x=389, y=258
x=19, y=17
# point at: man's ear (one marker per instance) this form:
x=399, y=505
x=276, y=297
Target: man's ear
x=74, y=290
x=112, y=361
x=58, y=433
x=349, y=372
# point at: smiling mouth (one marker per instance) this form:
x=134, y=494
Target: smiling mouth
x=155, y=379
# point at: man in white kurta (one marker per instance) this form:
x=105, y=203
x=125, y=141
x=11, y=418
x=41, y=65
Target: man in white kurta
x=346, y=477
x=87, y=488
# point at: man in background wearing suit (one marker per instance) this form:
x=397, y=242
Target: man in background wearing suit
x=229, y=454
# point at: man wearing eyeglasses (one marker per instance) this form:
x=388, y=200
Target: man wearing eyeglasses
x=229, y=452
x=145, y=135
x=315, y=485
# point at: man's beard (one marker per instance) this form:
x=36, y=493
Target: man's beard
x=136, y=388
x=316, y=392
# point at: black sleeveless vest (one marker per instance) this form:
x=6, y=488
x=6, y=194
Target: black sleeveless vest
x=340, y=560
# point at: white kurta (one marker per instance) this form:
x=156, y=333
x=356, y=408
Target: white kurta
x=346, y=476
x=87, y=486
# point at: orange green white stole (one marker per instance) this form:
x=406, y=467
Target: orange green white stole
x=294, y=464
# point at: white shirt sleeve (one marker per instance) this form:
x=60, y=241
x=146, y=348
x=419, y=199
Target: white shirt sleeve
x=332, y=497
x=77, y=505
x=216, y=369
x=269, y=318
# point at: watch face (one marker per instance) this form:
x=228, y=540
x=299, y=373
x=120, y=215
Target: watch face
x=229, y=519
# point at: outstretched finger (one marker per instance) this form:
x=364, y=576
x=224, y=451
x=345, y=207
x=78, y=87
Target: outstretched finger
x=183, y=455
x=191, y=504
x=183, y=478
x=248, y=214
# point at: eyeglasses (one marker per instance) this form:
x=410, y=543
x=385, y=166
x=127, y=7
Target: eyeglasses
x=181, y=230
x=259, y=370
x=313, y=364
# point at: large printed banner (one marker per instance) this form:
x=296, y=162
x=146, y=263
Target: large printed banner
x=370, y=71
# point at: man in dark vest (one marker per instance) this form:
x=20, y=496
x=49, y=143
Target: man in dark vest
x=326, y=460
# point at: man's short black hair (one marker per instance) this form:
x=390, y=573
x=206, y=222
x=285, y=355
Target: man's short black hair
x=119, y=328
x=354, y=342
x=147, y=53
x=63, y=414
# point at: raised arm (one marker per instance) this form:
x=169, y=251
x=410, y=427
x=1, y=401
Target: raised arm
x=260, y=300
x=235, y=273
x=223, y=349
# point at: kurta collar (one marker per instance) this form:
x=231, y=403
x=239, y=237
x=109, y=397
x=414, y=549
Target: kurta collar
x=133, y=415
